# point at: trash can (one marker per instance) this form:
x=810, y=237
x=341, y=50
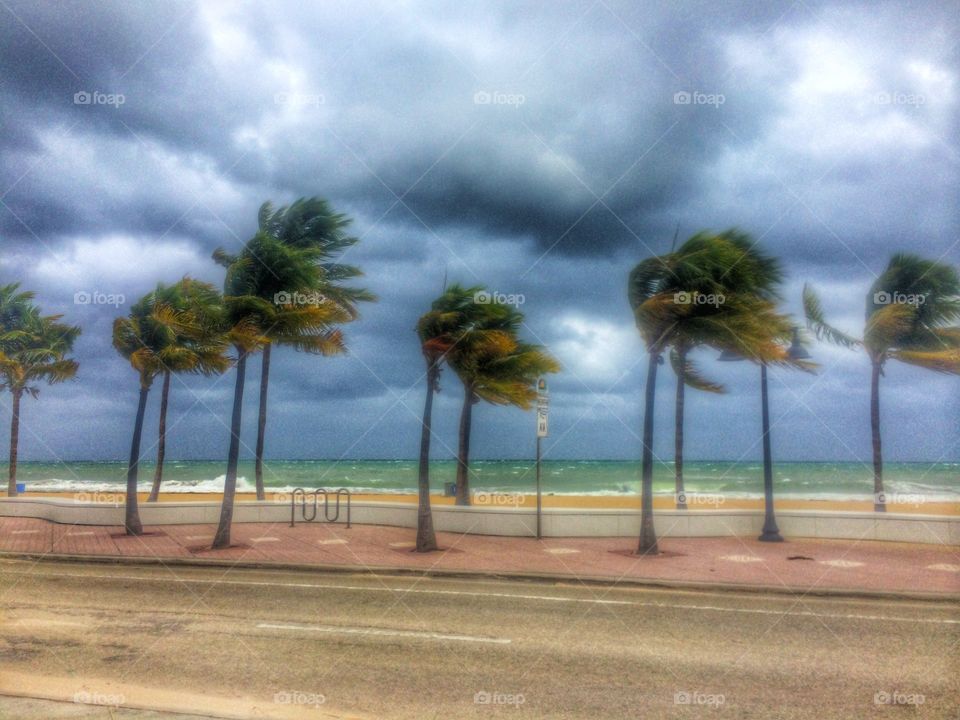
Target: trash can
x=21, y=487
x=450, y=489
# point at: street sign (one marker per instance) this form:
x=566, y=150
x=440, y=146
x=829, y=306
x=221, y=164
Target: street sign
x=543, y=406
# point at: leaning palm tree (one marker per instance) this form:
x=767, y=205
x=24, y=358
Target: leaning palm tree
x=147, y=339
x=197, y=346
x=751, y=271
x=33, y=349
x=309, y=224
x=264, y=268
x=495, y=366
x=909, y=309
x=690, y=288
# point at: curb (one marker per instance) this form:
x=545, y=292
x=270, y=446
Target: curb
x=517, y=576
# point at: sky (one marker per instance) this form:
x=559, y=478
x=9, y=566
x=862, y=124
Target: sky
x=539, y=149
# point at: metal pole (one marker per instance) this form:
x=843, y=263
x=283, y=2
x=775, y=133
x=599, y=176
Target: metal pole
x=539, y=498
x=771, y=533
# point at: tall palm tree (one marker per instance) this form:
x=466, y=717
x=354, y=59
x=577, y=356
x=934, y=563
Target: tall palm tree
x=752, y=271
x=309, y=224
x=495, y=366
x=147, y=339
x=909, y=309
x=263, y=269
x=196, y=346
x=33, y=349
x=690, y=288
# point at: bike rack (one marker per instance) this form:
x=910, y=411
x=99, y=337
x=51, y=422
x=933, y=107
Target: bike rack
x=315, y=494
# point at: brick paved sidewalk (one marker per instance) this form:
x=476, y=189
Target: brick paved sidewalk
x=799, y=565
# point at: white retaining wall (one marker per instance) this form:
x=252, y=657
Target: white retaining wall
x=484, y=520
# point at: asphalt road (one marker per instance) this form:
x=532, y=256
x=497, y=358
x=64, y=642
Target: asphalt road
x=246, y=643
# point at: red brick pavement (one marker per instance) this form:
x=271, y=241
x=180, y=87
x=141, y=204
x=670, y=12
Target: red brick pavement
x=831, y=564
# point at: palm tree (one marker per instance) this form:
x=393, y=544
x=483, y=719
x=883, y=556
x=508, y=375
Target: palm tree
x=309, y=224
x=908, y=311
x=33, y=349
x=691, y=289
x=754, y=272
x=147, y=338
x=495, y=366
x=197, y=345
x=265, y=268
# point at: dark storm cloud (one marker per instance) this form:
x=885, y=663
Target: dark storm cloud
x=835, y=143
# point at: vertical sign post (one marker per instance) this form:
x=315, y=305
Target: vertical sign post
x=543, y=405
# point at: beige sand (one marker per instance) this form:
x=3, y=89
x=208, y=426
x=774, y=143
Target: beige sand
x=557, y=501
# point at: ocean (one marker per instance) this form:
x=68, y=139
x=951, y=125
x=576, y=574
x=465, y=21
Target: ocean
x=936, y=482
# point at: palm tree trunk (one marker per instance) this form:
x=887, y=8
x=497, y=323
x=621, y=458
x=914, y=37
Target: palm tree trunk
x=131, y=520
x=426, y=539
x=648, y=536
x=14, y=443
x=222, y=538
x=680, y=493
x=463, y=448
x=879, y=500
x=161, y=439
x=262, y=421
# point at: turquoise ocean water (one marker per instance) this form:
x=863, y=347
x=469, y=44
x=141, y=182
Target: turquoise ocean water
x=827, y=480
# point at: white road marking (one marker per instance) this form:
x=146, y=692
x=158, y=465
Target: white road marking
x=740, y=558
x=332, y=542
x=947, y=567
x=841, y=563
x=403, y=544
x=510, y=596
x=198, y=537
x=24, y=532
x=265, y=539
x=386, y=633
x=561, y=551
x=76, y=534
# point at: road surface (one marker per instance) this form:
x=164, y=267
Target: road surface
x=270, y=643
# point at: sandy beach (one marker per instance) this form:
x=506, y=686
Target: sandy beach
x=552, y=501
